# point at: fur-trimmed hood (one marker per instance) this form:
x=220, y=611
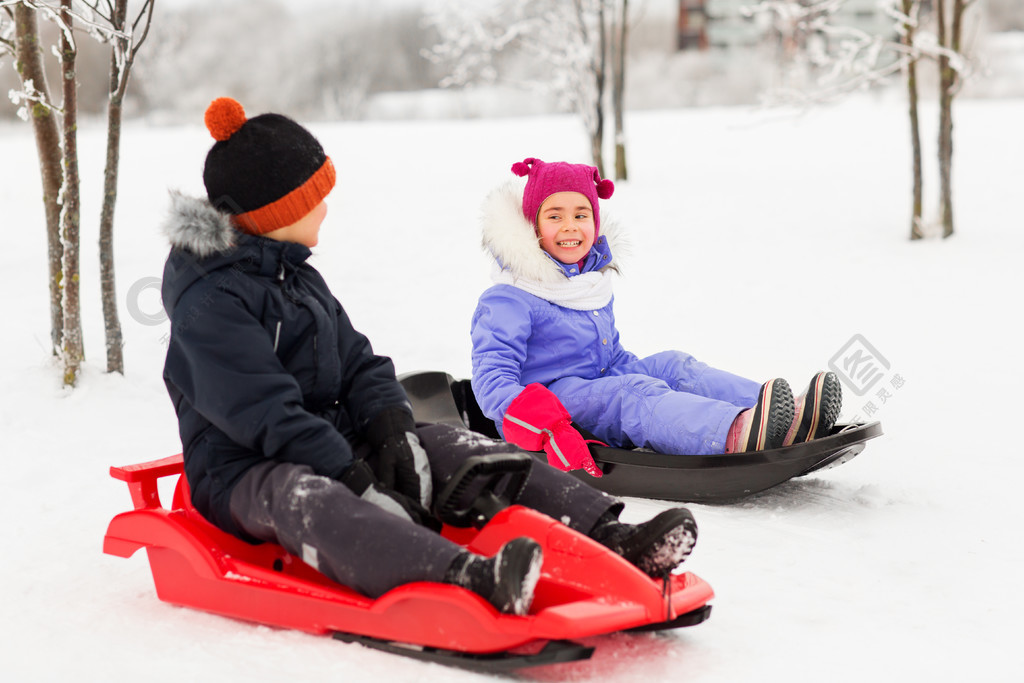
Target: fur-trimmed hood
x=195, y=224
x=510, y=237
x=204, y=241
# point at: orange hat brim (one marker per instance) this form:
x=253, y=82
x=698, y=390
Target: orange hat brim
x=291, y=207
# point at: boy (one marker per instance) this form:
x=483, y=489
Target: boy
x=293, y=430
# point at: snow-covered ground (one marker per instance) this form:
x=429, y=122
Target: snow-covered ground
x=762, y=243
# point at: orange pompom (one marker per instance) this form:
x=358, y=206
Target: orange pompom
x=224, y=117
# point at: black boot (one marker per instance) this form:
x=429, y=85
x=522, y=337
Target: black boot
x=656, y=546
x=764, y=426
x=506, y=580
x=816, y=410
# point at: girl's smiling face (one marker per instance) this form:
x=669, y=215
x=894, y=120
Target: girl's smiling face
x=565, y=225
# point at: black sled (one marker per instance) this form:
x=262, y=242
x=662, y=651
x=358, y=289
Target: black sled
x=438, y=397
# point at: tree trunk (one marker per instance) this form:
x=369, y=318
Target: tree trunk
x=619, y=89
x=74, y=351
x=108, y=290
x=951, y=87
x=910, y=8
x=947, y=79
x=600, y=71
x=596, y=139
x=593, y=110
x=29, y=63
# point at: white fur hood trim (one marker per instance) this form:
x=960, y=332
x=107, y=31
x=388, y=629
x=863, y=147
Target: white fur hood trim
x=510, y=237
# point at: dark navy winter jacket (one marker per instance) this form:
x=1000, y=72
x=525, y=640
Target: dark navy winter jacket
x=262, y=360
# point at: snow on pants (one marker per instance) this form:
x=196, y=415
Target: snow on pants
x=370, y=550
x=669, y=402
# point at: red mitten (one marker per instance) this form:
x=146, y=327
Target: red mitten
x=537, y=420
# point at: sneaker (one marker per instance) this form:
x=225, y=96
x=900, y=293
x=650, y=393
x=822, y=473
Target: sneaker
x=657, y=546
x=766, y=424
x=506, y=580
x=817, y=409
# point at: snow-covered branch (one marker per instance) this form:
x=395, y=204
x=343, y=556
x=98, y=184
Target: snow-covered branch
x=6, y=31
x=845, y=58
x=96, y=17
x=28, y=96
x=125, y=45
x=472, y=38
x=553, y=35
x=563, y=48
x=100, y=18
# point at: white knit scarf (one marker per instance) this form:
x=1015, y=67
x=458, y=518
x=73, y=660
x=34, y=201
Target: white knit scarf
x=584, y=292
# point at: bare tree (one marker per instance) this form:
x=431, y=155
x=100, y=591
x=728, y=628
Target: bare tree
x=36, y=105
x=593, y=39
x=124, y=47
x=907, y=29
x=949, y=16
x=567, y=43
x=58, y=154
x=620, y=34
x=73, y=346
x=853, y=58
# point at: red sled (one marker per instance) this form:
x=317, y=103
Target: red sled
x=585, y=589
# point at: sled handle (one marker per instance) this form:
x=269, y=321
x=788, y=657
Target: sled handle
x=471, y=498
x=142, y=479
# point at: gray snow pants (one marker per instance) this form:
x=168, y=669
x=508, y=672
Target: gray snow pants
x=370, y=550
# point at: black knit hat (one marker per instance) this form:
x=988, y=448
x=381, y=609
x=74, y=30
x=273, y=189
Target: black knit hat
x=267, y=171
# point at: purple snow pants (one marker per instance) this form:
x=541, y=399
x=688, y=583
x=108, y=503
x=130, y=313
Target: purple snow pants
x=669, y=402
x=370, y=550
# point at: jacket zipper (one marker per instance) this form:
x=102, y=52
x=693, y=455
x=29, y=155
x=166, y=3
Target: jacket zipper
x=316, y=336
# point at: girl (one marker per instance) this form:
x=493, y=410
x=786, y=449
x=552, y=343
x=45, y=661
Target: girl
x=545, y=345
x=293, y=430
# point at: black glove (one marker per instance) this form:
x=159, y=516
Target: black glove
x=401, y=463
x=360, y=480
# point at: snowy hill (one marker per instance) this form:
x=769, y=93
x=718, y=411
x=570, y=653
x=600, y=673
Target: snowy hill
x=762, y=244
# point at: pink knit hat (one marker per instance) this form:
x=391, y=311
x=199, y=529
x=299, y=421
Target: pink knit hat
x=548, y=179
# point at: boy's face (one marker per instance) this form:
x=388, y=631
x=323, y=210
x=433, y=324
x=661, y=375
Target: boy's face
x=565, y=225
x=305, y=231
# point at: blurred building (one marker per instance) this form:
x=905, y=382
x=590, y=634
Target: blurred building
x=725, y=24
x=692, y=25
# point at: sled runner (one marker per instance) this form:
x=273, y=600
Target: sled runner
x=585, y=589
x=437, y=397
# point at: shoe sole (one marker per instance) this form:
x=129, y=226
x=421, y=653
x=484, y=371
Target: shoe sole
x=823, y=401
x=773, y=416
x=518, y=571
x=663, y=542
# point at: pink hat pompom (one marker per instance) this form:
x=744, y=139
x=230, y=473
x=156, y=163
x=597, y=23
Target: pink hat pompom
x=521, y=168
x=605, y=188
